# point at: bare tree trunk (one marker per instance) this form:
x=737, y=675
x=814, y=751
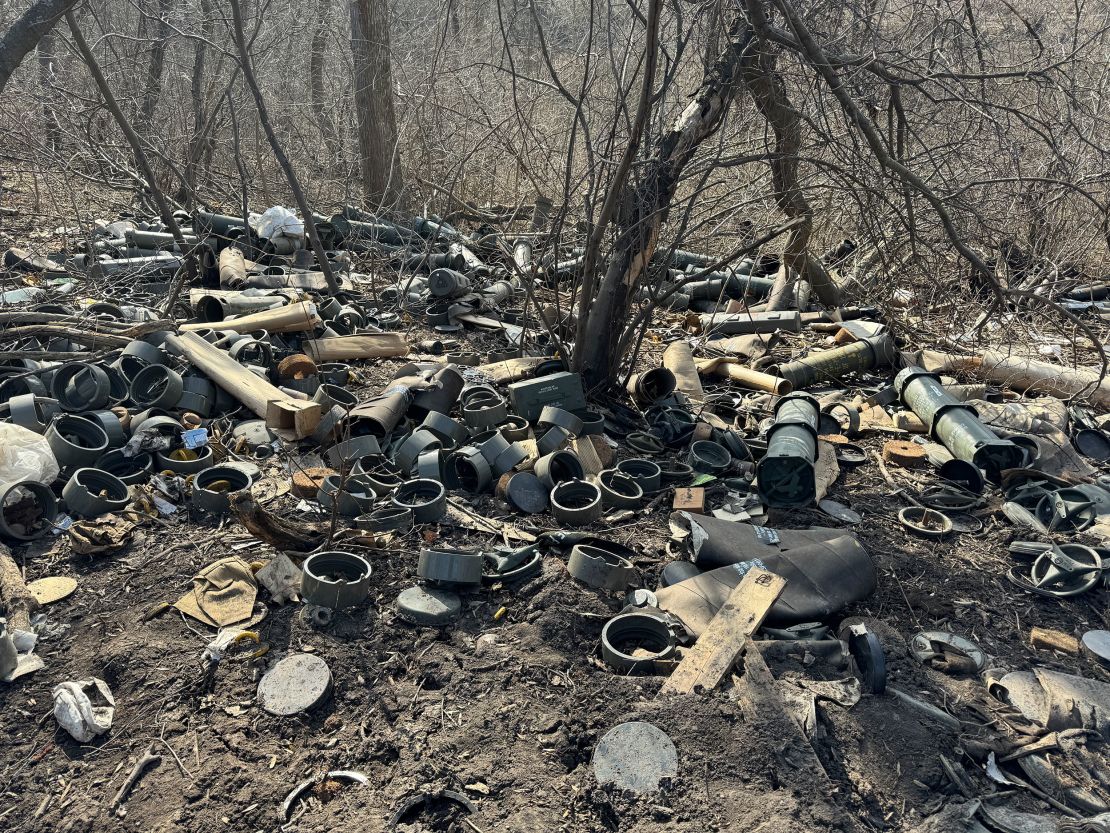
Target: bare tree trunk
x=198, y=153
x=152, y=90
x=141, y=160
x=316, y=59
x=643, y=209
x=24, y=35
x=48, y=74
x=379, y=159
x=763, y=80
x=279, y=152
x=195, y=148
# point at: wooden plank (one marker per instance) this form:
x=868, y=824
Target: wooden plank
x=282, y=413
x=292, y=419
x=760, y=703
x=1065, y=643
x=716, y=650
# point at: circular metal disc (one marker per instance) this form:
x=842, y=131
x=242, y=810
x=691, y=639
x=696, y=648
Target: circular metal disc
x=428, y=605
x=635, y=756
x=294, y=684
x=1097, y=646
x=52, y=588
x=965, y=523
x=526, y=493
x=1093, y=444
x=850, y=453
x=839, y=511
x=828, y=424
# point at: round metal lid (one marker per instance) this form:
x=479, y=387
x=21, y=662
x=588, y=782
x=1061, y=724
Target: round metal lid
x=526, y=493
x=1093, y=444
x=52, y=588
x=1096, y=644
x=294, y=684
x=635, y=756
x=428, y=606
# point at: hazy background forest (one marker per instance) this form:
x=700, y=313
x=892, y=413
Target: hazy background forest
x=921, y=129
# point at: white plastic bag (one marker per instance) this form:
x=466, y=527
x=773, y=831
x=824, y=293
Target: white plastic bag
x=17, y=653
x=25, y=455
x=278, y=222
x=84, y=708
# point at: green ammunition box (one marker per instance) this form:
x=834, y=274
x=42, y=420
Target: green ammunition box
x=564, y=390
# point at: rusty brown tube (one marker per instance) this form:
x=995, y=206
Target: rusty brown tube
x=294, y=318
x=753, y=379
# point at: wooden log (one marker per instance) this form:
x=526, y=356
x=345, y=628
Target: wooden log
x=1029, y=375
x=284, y=415
x=27, y=317
x=15, y=598
x=1054, y=640
x=364, y=346
x=294, y=318
x=99, y=341
x=716, y=650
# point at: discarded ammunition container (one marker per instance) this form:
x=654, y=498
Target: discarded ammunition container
x=156, y=239
x=430, y=229
x=742, y=323
x=711, y=288
x=561, y=389
x=447, y=283
x=955, y=423
x=567, y=269
x=522, y=254
x=220, y=225
x=541, y=212
x=830, y=365
x=498, y=292
x=736, y=285
x=349, y=229
x=682, y=258
x=216, y=307
x=651, y=385
x=165, y=263
x=785, y=474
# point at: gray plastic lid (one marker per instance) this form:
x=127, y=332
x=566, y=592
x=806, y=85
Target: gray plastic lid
x=428, y=605
x=635, y=756
x=526, y=493
x=1097, y=646
x=294, y=684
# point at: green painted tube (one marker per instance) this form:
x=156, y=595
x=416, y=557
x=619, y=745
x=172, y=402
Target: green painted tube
x=956, y=424
x=832, y=365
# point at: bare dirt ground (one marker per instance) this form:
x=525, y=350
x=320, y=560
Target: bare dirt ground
x=504, y=709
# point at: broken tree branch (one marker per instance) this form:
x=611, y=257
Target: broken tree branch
x=150, y=758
